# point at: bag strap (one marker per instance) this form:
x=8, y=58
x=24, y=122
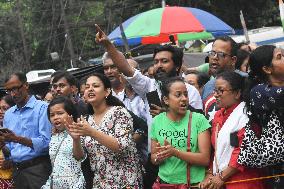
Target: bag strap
x=188, y=147
x=52, y=162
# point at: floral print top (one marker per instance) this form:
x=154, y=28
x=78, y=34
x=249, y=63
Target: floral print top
x=66, y=171
x=264, y=99
x=114, y=170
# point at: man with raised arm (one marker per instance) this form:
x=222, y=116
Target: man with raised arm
x=167, y=63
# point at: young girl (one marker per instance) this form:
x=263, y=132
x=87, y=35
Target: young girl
x=66, y=172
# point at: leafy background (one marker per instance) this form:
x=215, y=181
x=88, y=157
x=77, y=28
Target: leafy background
x=32, y=29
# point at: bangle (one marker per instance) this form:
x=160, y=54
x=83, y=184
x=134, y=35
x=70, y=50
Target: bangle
x=177, y=151
x=221, y=176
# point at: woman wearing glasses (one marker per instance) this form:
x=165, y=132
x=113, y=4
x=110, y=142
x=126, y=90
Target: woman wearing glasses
x=6, y=181
x=227, y=134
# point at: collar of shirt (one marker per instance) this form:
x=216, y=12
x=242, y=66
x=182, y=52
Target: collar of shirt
x=225, y=113
x=119, y=95
x=30, y=104
x=125, y=96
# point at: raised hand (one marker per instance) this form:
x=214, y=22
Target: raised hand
x=101, y=37
x=69, y=123
x=155, y=110
x=165, y=151
x=81, y=128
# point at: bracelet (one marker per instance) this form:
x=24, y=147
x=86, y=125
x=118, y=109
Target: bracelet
x=177, y=152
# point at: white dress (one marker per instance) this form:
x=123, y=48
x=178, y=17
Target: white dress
x=66, y=172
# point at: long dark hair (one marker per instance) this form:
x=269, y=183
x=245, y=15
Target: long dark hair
x=68, y=106
x=260, y=57
x=110, y=100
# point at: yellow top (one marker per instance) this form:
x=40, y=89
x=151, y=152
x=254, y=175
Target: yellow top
x=5, y=173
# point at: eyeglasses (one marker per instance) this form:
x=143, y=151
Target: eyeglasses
x=14, y=89
x=220, y=55
x=221, y=91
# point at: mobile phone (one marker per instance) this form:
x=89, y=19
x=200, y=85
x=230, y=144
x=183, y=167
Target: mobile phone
x=153, y=98
x=234, y=140
x=4, y=130
x=172, y=39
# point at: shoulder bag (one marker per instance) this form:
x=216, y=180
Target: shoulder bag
x=158, y=185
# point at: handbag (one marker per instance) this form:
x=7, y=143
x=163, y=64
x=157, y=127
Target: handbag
x=158, y=185
x=266, y=150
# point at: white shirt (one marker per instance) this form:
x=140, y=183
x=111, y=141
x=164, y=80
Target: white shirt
x=135, y=105
x=143, y=84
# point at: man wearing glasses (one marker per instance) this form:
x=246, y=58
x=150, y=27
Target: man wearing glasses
x=167, y=64
x=27, y=135
x=222, y=57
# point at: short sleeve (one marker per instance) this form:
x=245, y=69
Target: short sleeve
x=202, y=123
x=153, y=130
x=203, y=68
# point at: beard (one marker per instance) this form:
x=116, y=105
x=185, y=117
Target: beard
x=162, y=75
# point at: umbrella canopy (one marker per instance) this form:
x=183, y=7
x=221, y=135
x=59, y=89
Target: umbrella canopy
x=184, y=23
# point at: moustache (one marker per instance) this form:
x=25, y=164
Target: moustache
x=160, y=70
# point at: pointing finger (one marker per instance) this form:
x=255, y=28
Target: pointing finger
x=99, y=29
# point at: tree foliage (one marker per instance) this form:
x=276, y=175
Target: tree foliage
x=30, y=30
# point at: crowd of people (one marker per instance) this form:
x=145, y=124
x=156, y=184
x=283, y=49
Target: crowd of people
x=216, y=126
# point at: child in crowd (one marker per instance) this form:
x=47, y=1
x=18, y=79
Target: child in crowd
x=66, y=170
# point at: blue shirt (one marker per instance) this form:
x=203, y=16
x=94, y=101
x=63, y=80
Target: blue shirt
x=30, y=121
x=208, y=88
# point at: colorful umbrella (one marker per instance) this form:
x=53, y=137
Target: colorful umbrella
x=184, y=23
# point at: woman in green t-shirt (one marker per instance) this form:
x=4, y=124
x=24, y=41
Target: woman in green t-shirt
x=169, y=138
